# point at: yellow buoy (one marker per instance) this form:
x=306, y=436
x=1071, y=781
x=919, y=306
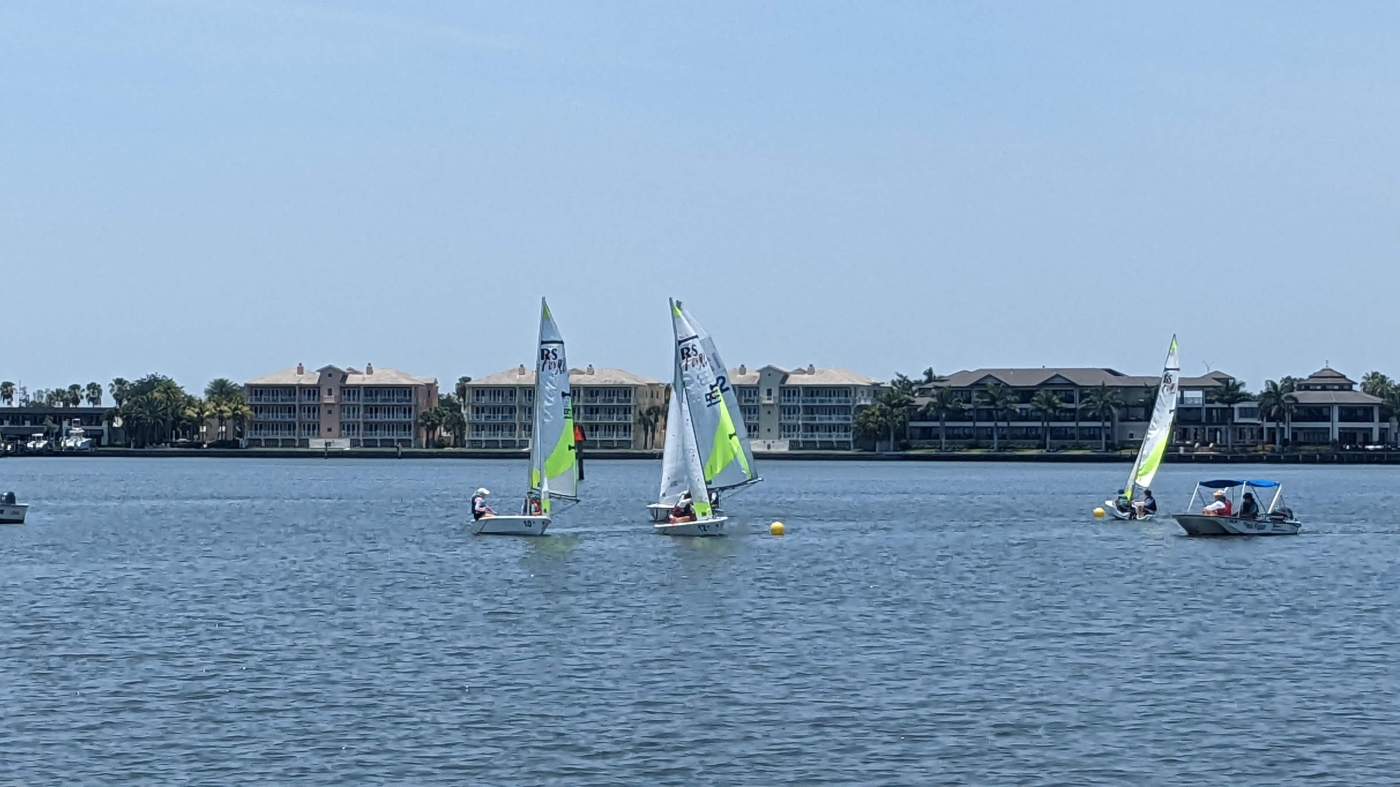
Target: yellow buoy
x=777, y=529
x=1098, y=513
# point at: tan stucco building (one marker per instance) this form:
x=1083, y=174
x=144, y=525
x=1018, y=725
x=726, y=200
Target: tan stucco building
x=615, y=408
x=374, y=408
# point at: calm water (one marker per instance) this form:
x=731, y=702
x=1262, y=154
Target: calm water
x=332, y=621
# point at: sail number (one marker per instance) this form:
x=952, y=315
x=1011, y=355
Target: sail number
x=717, y=391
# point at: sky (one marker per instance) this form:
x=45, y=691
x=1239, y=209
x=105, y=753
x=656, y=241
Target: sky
x=215, y=188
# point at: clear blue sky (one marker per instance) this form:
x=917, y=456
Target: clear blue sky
x=232, y=186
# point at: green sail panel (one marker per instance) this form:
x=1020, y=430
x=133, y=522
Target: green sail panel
x=1159, y=429
x=553, y=454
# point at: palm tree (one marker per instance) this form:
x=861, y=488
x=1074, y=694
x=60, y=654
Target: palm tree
x=649, y=419
x=92, y=392
x=1103, y=403
x=895, y=401
x=118, y=388
x=1377, y=384
x=1277, y=402
x=73, y=396
x=930, y=377
x=1045, y=403
x=430, y=421
x=1230, y=393
x=942, y=404
x=872, y=422
x=1002, y=402
x=1392, y=403
x=222, y=389
x=237, y=412
x=7, y=393
x=461, y=389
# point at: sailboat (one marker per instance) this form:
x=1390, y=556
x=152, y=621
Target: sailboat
x=1154, y=441
x=706, y=451
x=553, y=454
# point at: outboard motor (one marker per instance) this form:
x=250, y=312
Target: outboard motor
x=9, y=498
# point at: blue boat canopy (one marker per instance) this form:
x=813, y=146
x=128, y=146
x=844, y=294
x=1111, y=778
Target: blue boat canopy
x=1226, y=484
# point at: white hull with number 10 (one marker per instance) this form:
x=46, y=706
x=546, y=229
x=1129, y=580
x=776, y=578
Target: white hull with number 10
x=510, y=526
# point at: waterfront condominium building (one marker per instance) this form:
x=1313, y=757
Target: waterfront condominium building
x=374, y=408
x=801, y=409
x=1199, y=418
x=1329, y=411
x=614, y=407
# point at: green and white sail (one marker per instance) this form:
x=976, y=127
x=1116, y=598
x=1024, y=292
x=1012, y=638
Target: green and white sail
x=712, y=405
x=1159, y=429
x=553, y=454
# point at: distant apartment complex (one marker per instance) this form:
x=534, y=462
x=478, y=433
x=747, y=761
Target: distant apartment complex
x=614, y=407
x=374, y=408
x=801, y=409
x=1327, y=410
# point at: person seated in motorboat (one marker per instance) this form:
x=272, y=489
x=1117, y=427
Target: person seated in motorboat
x=1220, y=506
x=1145, y=507
x=684, y=510
x=1249, y=507
x=479, y=508
x=9, y=498
x=532, y=505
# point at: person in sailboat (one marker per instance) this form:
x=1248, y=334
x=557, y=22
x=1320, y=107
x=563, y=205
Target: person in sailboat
x=683, y=510
x=1145, y=507
x=479, y=508
x=1121, y=503
x=1220, y=506
x=532, y=505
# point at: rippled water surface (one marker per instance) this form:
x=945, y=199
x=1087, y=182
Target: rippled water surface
x=332, y=621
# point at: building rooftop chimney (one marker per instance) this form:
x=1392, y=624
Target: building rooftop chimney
x=369, y=368
x=521, y=370
x=811, y=369
x=743, y=369
x=301, y=369
x=590, y=368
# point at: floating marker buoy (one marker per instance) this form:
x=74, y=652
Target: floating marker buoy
x=777, y=529
x=1098, y=513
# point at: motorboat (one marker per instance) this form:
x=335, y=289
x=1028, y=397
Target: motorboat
x=11, y=512
x=37, y=443
x=1230, y=512
x=76, y=439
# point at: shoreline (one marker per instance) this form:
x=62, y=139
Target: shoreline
x=1391, y=457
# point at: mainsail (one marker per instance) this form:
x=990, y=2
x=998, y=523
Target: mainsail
x=553, y=460
x=710, y=405
x=1159, y=429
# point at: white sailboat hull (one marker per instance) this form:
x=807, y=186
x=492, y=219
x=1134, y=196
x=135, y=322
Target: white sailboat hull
x=510, y=526
x=13, y=513
x=714, y=526
x=1124, y=516
x=1202, y=525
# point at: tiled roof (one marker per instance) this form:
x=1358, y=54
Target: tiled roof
x=380, y=376
x=1335, y=397
x=521, y=375
x=1078, y=376
x=805, y=375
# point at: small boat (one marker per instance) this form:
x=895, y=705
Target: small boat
x=707, y=449
x=1154, y=442
x=38, y=443
x=12, y=513
x=554, y=472
x=76, y=439
x=1274, y=520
